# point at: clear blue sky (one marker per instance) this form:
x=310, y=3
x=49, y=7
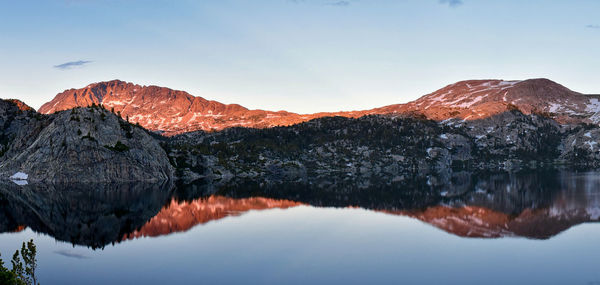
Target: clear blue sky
x=302, y=56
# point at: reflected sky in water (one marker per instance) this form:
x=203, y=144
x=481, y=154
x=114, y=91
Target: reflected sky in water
x=233, y=240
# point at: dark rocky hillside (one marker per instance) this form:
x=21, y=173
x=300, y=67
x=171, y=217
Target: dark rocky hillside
x=390, y=147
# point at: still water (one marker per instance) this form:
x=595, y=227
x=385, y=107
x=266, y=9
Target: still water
x=525, y=228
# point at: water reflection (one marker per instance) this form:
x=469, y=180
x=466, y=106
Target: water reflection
x=90, y=214
x=180, y=216
x=536, y=205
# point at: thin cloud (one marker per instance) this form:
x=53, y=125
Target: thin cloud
x=451, y=3
x=67, y=253
x=593, y=26
x=71, y=64
x=339, y=3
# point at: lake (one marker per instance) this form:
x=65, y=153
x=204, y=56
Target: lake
x=489, y=228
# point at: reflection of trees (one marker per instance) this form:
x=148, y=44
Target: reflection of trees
x=509, y=193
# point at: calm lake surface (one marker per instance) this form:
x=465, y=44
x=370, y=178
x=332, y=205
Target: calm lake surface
x=526, y=228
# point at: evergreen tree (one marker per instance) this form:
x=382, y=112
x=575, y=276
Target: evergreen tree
x=6, y=276
x=17, y=266
x=28, y=253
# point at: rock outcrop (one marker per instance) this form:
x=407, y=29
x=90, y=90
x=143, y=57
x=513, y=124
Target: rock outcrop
x=78, y=145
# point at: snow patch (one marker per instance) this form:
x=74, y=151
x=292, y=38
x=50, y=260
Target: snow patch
x=555, y=107
x=508, y=83
x=19, y=176
x=472, y=102
x=20, y=182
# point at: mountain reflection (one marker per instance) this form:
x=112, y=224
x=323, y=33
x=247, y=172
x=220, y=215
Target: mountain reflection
x=182, y=216
x=536, y=205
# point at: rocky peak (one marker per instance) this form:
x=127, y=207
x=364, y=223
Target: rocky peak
x=165, y=110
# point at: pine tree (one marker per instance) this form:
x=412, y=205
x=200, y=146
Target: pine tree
x=28, y=253
x=6, y=276
x=17, y=266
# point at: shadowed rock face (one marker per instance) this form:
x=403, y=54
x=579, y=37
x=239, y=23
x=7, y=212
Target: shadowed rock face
x=537, y=205
x=174, y=112
x=78, y=145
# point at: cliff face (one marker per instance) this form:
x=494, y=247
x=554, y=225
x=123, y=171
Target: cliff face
x=79, y=145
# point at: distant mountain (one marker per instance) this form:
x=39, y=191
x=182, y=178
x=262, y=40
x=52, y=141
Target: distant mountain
x=173, y=112
x=169, y=111
x=476, y=99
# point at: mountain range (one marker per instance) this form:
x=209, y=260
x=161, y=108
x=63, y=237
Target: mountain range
x=174, y=112
x=111, y=132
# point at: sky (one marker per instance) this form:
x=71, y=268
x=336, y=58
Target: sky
x=303, y=56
